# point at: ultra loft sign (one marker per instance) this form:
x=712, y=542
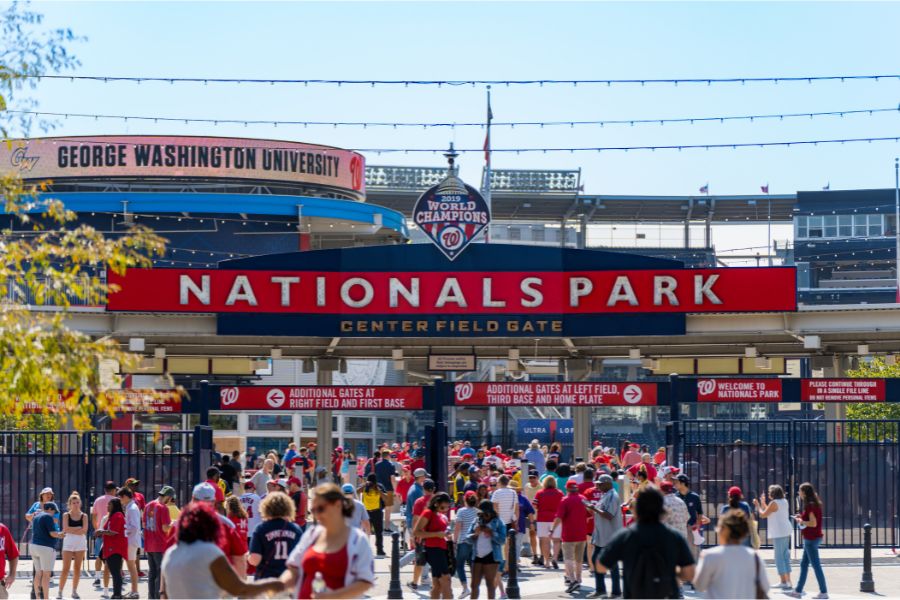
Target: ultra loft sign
x=495, y=290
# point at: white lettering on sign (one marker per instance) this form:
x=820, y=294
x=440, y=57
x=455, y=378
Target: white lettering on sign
x=320, y=291
x=486, y=299
x=187, y=286
x=703, y=289
x=622, y=290
x=664, y=285
x=579, y=287
x=285, y=283
x=368, y=292
x=536, y=298
x=241, y=291
x=451, y=292
x=397, y=289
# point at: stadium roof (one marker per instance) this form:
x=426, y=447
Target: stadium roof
x=546, y=195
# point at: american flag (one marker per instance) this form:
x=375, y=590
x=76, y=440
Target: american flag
x=705, y=189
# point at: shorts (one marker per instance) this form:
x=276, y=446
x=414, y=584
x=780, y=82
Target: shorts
x=388, y=499
x=573, y=551
x=543, y=530
x=487, y=559
x=43, y=557
x=437, y=560
x=133, y=552
x=74, y=543
x=98, y=546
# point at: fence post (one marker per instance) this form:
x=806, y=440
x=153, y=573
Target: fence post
x=394, y=589
x=512, y=585
x=867, y=584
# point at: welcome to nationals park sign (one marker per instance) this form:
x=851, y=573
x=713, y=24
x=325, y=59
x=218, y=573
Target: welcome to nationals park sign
x=489, y=291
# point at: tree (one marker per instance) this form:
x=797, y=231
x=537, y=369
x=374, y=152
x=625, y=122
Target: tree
x=879, y=411
x=47, y=261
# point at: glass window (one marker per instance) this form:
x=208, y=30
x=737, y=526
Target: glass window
x=815, y=227
x=223, y=422
x=308, y=422
x=385, y=425
x=831, y=226
x=875, y=225
x=334, y=425
x=265, y=444
x=845, y=225
x=515, y=233
x=802, y=230
x=271, y=422
x=860, y=226
x=358, y=424
x=538, y=234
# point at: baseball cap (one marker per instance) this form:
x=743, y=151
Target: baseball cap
x=473, y=469
x=533, y=474
x=248, y=485
x=469, y=493
x=347, y=488
x=735, y=491
x=421, y=473
x=132, y=481
x=49, y=490
x=204, y=492
x=51, y=506
x=166, y=490
x=666, y=487
x=634, y=446
x=428, y=484
x=604, y=479
x=339, y=449
x=571, y=485
x=294, y=480
x=283, y=483
x=684, y=479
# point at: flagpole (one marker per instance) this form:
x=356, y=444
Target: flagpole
x=897, y=223
x=487, y=169
x=769, y=224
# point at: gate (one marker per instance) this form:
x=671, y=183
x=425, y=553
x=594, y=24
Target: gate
x=854, y=466
x=69, y=461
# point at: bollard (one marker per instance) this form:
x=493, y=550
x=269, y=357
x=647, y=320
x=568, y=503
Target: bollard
x=867, y=584
x=394, y=589
x=512, y=584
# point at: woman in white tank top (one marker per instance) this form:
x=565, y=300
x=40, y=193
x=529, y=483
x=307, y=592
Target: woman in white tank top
x=780, y=530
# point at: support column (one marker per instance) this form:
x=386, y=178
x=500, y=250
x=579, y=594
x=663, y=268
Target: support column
x=580, y=370
x=324, y=430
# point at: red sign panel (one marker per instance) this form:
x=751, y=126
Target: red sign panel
x=739, y=390
x=320, y=397
x=555, y=394
x=127, y=401
x=842, y=390
x=488, y=292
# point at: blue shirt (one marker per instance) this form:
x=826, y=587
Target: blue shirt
x=525, y=509
x=535, y=457
x=467, y=451
x=39, y=507
x=41, y=528
x=384, y=469
x=694, y=507
x=414, y=493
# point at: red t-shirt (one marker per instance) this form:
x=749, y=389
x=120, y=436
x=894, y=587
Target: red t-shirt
x=651, y=470
x=812, y=533
x=591, y=494
x=546, y=502
x=435, y=521
x=118, y=543
x=220, y=495
x=573, y=515
x=156, y=516
x=418, y=463
x=233, y=543
x=659, y=458
x=242, y=525
x=402, y=488
x=8, y=549
x=332, y=566
x=139, y=500
x=419, y=505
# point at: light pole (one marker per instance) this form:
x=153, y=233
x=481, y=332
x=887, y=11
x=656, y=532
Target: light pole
x=897, y=224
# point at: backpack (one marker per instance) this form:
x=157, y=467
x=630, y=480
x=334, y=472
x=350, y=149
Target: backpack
x=649, y=577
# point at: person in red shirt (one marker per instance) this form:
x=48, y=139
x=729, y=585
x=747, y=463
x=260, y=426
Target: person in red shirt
x=572, y=517
x=212, y=478
x=8, y=551
x=237, y=514
x=659, y=459
x=645, y=462
x=431, y=530
x=546, y=502
x=115, y=544
x=403, y=484
x=810, y=521
x=295, y=491
x=133, y=484
x=418, y=461
x=157, y=524
x=631, y=455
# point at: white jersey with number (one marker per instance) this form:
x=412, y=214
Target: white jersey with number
x=250, y=503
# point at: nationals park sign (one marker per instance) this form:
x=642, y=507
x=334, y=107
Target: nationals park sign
x=489, y=291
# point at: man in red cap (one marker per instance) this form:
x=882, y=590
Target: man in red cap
x=295, y=490
x=632, y=456
x=572, y=515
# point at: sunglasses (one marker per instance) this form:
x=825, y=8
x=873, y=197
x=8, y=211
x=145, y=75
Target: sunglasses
x=320, y=508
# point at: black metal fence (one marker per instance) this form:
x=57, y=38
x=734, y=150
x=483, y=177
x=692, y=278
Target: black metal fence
x=69, y=461
x=854, y=466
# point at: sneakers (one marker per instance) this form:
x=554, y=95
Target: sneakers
x=97, y=582
x=573, y=587
x=555, y=564
x=597, y=594
x=414, y=587
x=466, y=592
x=820, y=597
x=131, y=595
x=75, y=596
x=105, y=595
x=380, y=554
x=794, y=594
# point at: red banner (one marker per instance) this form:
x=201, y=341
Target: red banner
x=320, y=397
x=419, y=293
x=127, y=401
x=739, y=390
x=555, y=394
x=842, y=390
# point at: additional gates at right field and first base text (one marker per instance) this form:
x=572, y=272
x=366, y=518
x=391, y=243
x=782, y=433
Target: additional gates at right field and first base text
x=854, y=466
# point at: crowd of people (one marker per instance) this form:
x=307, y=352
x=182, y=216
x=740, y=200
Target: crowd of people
x=284, y=524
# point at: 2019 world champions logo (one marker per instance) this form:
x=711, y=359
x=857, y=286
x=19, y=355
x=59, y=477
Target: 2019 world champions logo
x=451, y=214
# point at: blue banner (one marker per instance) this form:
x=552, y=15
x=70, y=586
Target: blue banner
x=546, y=431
